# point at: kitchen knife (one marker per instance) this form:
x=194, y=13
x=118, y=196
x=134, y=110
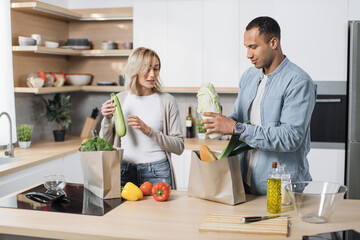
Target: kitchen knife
x=258, y=218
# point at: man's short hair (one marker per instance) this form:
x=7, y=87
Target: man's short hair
x=267, y=26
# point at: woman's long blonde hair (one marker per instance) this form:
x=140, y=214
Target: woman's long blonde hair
x=140, y=60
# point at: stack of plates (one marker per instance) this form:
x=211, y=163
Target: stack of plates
x=77, y=44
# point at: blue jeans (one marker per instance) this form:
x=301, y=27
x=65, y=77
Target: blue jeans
x=153, y=172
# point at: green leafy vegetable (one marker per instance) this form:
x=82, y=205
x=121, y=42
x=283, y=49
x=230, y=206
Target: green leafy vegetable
x=234, y=147
x=208, y=99
x=96, y=144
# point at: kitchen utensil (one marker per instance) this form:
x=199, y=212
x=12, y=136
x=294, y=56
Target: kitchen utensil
x=315, y=201
x=51, y=44
x=90, y=124
x=78, y=78
x=26, y=41
x=55, y=182
x=258, y=218
x=37, y=38
x=233, y=224
x=47, y=198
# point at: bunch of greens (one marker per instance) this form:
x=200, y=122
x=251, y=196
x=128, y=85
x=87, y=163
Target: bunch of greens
x=96, y=144
x=24, y=132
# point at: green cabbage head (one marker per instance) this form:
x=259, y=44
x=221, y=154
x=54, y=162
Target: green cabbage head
x=208, y=99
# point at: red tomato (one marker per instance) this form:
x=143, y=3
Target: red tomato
x=146, y=188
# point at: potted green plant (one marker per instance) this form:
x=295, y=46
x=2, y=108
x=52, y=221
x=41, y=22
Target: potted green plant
x=201, y=132
x=24, y=132
x=58, y=109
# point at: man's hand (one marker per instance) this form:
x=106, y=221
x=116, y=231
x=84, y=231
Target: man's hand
x=218, y=123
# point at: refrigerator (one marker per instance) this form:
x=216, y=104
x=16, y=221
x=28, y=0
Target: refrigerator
x=352, y=177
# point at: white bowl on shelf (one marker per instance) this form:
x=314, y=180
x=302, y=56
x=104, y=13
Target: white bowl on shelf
x=78, y=78
x=26, y=41
x=51, y=44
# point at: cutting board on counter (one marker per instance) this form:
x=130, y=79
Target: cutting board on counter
x=233, y=224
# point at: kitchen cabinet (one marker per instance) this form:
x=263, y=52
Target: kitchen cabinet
x=197, y=41
x=312, y=36
x=221, y=43
x=327, y=164
x=68, y=166
x=181, y=164
x=58, y=24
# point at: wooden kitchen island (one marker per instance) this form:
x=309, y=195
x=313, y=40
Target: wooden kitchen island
x=177, y=218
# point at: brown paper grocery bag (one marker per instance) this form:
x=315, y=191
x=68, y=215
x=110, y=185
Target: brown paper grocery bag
x=102, y=172
x=218, y=181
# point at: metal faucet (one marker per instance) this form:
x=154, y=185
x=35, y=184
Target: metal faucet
x=10, y=148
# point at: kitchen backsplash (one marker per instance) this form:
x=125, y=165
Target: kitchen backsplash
x=29, y=107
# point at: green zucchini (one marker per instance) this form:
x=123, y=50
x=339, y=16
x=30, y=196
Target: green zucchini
x=120, y=125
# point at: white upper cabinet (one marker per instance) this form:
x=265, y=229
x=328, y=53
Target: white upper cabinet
x=174, y=30
x=203, y=40
x=221, y=43
x=313, y=34
x=184, y=44
x=197, y=41
x=150, y=29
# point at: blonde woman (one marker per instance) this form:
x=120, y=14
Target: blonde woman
x=153, y=123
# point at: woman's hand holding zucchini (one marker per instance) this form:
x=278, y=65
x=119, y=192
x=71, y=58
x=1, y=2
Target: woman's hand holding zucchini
x=107, y=109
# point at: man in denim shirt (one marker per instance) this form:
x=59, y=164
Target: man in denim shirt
x=278, y=98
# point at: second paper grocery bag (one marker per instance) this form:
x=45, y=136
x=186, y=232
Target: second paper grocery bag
x=219, y=180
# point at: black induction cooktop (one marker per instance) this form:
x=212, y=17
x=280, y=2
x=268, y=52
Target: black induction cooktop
x=81, y=201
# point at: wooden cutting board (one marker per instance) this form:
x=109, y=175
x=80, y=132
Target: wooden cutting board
x=233, y=224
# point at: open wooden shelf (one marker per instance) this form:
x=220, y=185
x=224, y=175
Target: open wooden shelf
x=47, y=90
x=52, y=11
x=71, y=52
x=93, y=88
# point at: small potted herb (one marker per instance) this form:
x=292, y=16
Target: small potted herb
x=201, y=132
x=58, y=110
x=24, y=132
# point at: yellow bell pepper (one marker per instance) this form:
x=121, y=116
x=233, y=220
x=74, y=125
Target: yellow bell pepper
x=131, y=192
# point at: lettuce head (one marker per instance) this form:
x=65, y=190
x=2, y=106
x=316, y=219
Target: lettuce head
x=208, y=101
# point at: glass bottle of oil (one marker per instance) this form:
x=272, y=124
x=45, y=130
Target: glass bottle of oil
x=274, y=190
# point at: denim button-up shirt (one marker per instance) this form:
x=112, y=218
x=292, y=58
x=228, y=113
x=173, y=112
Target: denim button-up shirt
x=285, y=109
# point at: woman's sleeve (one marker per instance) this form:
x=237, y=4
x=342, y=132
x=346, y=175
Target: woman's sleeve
x=174, y=141
x=107, y=129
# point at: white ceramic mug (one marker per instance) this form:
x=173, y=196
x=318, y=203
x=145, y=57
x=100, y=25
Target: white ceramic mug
x=37, y=38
